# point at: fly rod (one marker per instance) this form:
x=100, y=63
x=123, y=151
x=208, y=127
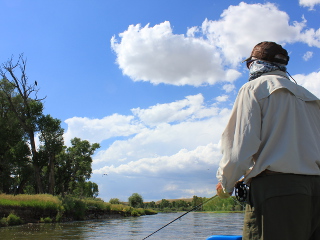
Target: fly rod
x=196, y=207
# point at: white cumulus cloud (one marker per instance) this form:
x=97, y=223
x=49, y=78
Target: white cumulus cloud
x=209, y=53
x=157, y=55
x=309, y=3
x=241, y=28
x=165, y=139
x=222, y=98
x=310, y=82
x=203, y=157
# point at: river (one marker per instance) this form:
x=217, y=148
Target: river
x=192, y=226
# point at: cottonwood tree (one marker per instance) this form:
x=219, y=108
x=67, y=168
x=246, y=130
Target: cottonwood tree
x=197, y=201
x=86, y=189
x=135, y=200
x=24, y=104
x=165, y=204
x=51, y=138
x=74, y=167
x=14, y=152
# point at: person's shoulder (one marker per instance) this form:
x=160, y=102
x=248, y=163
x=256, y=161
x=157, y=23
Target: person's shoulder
x=257, y=84
x=266, y=84
x=270, y=82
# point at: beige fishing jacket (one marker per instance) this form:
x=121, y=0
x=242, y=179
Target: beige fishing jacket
x=275, y=125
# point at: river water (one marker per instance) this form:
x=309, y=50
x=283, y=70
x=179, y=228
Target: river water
x=192, y=226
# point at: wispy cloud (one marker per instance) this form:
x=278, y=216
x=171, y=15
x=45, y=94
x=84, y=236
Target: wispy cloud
x=222, y=98
x=307, y=55
x=228, y=88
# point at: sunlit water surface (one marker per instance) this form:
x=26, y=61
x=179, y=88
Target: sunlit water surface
x=191, y=226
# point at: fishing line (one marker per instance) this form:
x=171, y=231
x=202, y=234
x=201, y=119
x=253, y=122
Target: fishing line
x=181, y=216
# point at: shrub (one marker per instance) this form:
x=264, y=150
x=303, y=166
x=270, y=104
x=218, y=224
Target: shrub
x=13, y=219
x=3, y=222
x=68, y=203
x=80, y=210
x=74, y=207
x=150, y=212
x=114, y=201
x=97, y=203
x=117, y=207
x=135, y=213
x=60, y=214
x=46, y=220
x=141, y=211
x=126, y=211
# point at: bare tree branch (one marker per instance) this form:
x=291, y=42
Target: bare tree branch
x=25, y=89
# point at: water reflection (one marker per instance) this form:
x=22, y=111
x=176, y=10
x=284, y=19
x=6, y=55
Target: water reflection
x=191, y=227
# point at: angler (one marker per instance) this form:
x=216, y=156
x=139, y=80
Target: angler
x=273, y=140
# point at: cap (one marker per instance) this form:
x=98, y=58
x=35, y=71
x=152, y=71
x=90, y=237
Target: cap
x=269, y=51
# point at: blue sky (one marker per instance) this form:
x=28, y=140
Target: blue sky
x=153, y=81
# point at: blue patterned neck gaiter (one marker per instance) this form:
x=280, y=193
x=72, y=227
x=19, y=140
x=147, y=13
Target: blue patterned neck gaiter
x=258, y=67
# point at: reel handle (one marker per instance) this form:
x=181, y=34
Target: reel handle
x=241, y=191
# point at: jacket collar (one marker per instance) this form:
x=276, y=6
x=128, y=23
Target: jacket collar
x=277, y=72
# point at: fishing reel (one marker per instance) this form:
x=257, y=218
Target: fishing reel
x=241, y=191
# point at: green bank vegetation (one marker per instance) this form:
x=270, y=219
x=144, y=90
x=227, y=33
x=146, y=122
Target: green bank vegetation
x=61, y=208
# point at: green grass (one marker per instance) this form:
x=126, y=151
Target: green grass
x=41, y=201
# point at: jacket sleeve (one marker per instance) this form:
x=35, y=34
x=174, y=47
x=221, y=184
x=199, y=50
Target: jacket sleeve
x=240, y=140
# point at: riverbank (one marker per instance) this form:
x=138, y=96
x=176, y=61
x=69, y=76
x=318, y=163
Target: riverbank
x=21, y=209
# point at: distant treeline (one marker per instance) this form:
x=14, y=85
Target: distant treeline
x=216, y=204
